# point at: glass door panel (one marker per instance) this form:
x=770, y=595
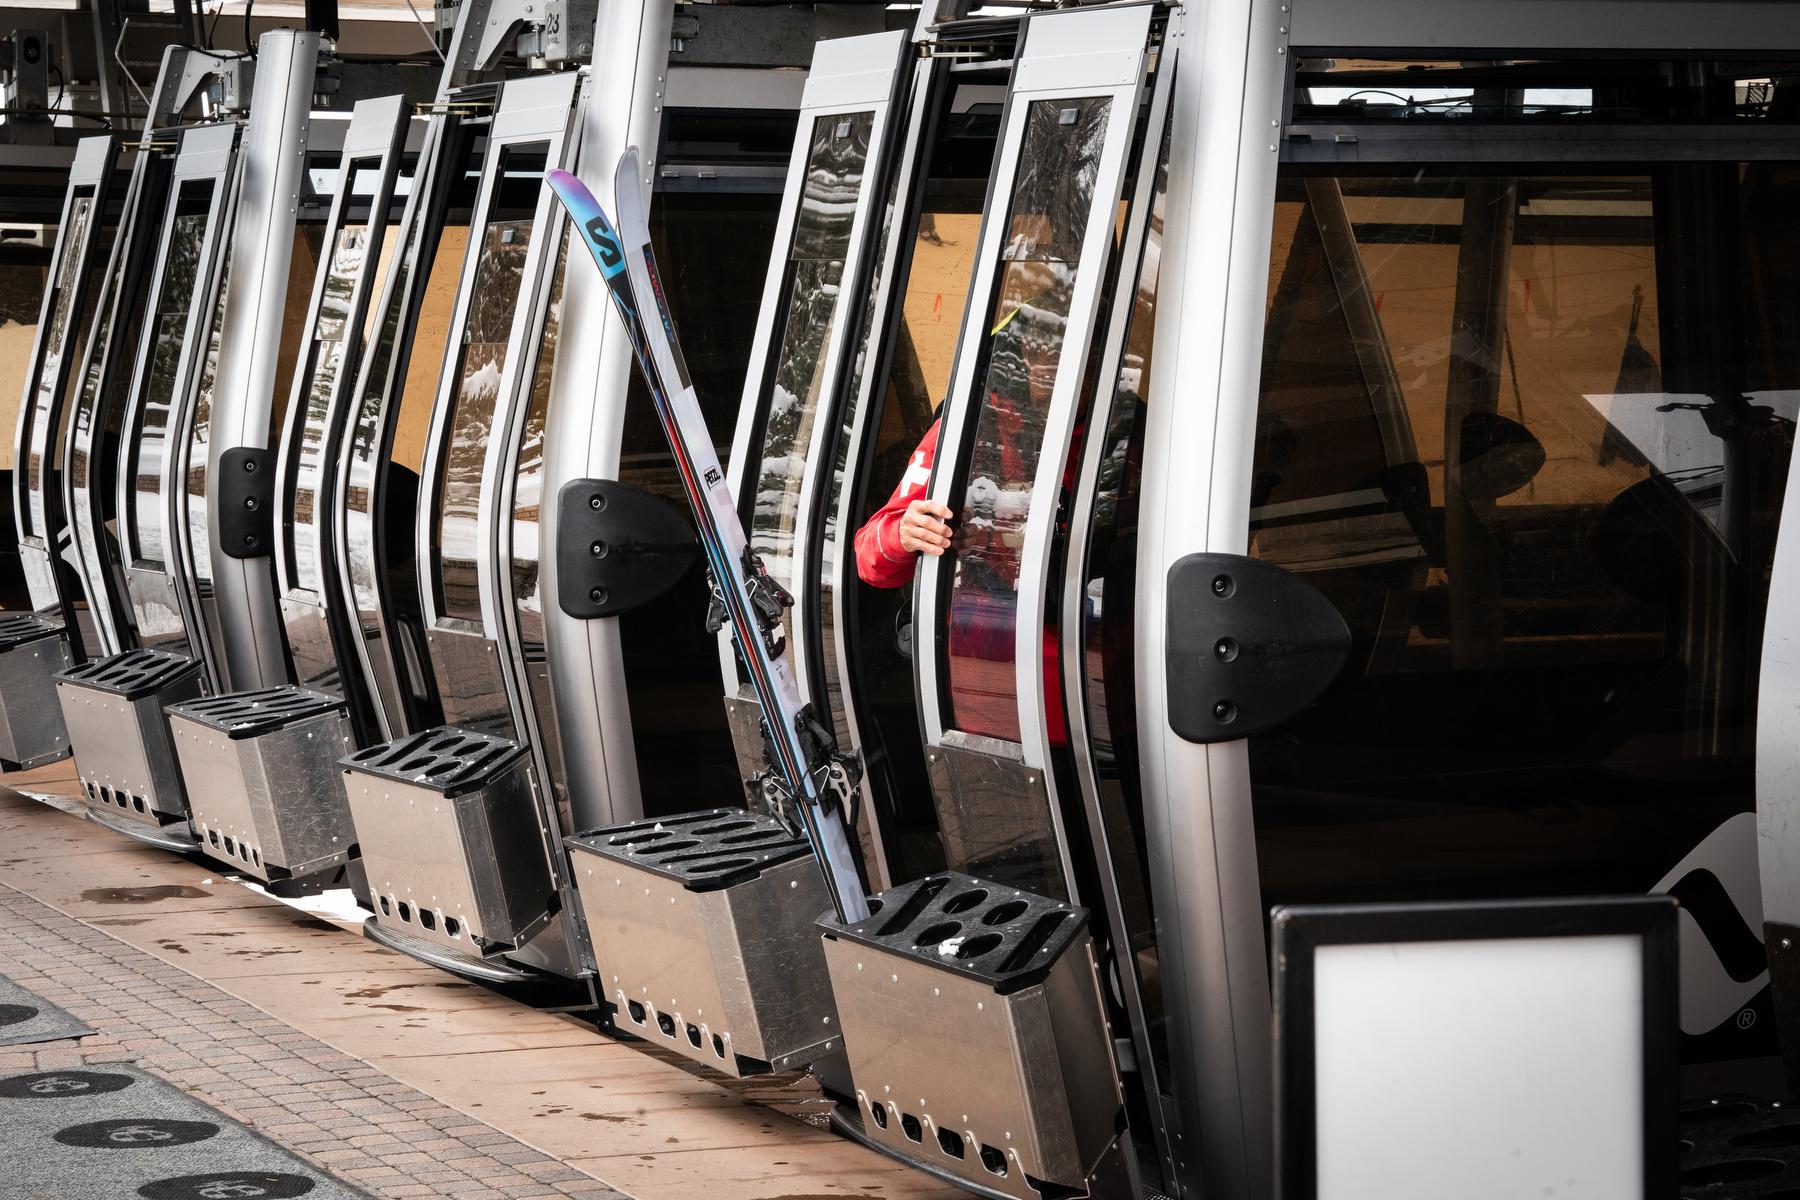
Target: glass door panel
x=456, y=541
x=830, y=195
x=168, y=333
x=329, y=335
x=56, y=341
x=1059, y=163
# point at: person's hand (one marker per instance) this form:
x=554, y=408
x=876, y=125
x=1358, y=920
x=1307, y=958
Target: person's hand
x=924, y=528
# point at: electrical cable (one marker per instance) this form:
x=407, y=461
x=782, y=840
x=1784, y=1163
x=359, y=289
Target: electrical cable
x=249, y=46
x=56, y=108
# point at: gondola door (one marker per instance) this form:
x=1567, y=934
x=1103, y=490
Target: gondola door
x=170, y=359
x=319, y=632
x=91, y=455
x=460, y=509
x=783, y=455
x=987, y=660
x=85, y=233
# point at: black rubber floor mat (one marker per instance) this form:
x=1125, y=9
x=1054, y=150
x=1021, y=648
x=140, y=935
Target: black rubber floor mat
x=1740, y=1148
x=25, y=1018
x=111, y=1130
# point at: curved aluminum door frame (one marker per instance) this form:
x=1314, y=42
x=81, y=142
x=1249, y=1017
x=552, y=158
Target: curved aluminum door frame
x=494, y=569
x=1073, y=54
x=401, y=286
x=39, y=426
x=536, y=110
x=210, y=294
x=254, y=652
x=1133, y=245
x=849, y=76
x=101, y=575
x=208, y=153
x=1077, y=54
x=1200, y=424
x=901, y=192
x=586, y=418
x=374, y=141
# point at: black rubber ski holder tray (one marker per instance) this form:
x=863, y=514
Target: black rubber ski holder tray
x=132, y=675
x=1249, y=646
x=21, y=629
x=247, y=502
x=241, y=715
x=703, y=852
x=1001, y=936
x=448, y=760
x=618, y=548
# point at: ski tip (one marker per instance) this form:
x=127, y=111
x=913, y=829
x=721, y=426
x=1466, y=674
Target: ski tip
x=567, y=187
x=627, y=170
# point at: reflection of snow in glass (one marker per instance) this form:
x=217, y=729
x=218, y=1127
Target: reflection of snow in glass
x=334, y=312
x=489, y=324
x=830, y=195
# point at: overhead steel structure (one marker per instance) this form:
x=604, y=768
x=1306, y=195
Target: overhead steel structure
x=1368, y=428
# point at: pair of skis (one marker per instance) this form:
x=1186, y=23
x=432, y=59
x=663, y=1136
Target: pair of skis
x=808, y=784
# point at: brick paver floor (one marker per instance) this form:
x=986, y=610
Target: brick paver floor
x=334, y=1110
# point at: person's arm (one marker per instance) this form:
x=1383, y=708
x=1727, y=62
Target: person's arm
x=889, y=543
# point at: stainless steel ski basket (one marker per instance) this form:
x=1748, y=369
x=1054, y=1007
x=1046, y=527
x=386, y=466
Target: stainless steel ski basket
x=261, y=774
x=33, y=649
x=978, y=1045
x=114, y=708
x=448, y=833
x=704, y=936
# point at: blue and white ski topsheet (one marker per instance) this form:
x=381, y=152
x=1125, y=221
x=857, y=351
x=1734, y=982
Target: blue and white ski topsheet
x=807, y=777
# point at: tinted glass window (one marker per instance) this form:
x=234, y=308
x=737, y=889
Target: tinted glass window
x=1052, y=196
x=58, y=340
x=499, y=271
x=168, y=335
x=828, y=203
x=1530, y=435
x=329, y=346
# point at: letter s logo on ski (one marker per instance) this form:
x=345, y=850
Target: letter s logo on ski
x=606, y=246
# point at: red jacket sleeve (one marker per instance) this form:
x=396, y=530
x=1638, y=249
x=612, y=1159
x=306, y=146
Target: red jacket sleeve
x=880, y=561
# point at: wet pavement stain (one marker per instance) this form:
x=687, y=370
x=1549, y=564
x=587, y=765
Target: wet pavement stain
x=611, y=1119
x=172, y=946
x=111, y=922
x=399, y=1007
x=144, y=895
x=378, y=990
x=314, y=923
x=262, y=953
